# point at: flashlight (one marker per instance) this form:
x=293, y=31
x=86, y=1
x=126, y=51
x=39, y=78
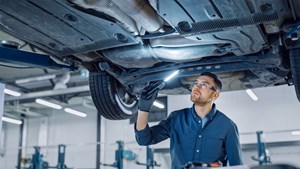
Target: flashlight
x=160, y=84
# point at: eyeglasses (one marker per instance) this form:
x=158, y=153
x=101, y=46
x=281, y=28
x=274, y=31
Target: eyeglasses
x=204, y=85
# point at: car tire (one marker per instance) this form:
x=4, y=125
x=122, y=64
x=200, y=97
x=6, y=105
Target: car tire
x=110, y=98
x=295, y=67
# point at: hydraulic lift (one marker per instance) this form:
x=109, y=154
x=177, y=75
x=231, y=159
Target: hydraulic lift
x=121, y=154
x=151, y=163
x=263, y=155
x=37, y=161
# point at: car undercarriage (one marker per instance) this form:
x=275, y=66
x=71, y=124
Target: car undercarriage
x=126, y=44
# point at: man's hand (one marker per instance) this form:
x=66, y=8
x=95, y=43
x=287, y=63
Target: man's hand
x=147, y=97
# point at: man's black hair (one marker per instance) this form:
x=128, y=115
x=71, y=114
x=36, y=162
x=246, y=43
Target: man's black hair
x=216, y=79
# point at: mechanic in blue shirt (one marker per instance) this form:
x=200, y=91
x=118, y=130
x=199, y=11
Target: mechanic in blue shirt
x=200, y=134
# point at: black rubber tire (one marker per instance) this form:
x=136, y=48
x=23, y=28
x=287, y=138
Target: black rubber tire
x=110, y=98
x=295, y=67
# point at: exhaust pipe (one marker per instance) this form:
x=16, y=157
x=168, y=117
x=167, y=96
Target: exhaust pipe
x=131, y=56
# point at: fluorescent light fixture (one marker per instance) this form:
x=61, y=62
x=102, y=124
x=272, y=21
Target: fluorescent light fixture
x=75, y=112
x=49, y=104
x=295, y=133
x=171, y=75
x=10, y=120
x=158, y=104
x=12, y=93
x=252, y=94
x=38, y=78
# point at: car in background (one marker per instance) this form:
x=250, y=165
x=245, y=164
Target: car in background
x=126, y=44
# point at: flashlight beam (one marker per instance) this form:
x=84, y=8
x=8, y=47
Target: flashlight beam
x=171, y=76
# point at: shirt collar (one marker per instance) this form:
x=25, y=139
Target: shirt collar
x=210, y=115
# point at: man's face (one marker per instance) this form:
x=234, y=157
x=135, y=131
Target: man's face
x=204, y=90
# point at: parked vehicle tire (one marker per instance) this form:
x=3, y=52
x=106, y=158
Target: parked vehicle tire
x=110, y=98
x=295, y=67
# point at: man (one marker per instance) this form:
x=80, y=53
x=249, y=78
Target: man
x=200, y=134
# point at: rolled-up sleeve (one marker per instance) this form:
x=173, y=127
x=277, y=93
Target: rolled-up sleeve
x=142, y=136
x=154, y=134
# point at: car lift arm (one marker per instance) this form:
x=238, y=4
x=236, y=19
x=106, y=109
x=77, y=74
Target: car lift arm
x=15, y=56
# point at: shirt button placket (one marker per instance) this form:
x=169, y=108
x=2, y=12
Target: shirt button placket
x=198, y=147
x=198, y=144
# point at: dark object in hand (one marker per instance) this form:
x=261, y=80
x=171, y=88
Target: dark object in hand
x=148, y=95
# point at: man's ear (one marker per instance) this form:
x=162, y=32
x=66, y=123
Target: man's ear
x=216, y=95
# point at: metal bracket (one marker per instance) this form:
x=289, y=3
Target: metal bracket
x=291, y=38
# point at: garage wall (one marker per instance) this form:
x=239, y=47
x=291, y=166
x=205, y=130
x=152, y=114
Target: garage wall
x=276, y=110
x=1, y=107
x=73, y=131
x=8, y=157
x=78, y=134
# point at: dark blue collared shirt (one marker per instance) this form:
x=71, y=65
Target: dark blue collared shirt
x=217, y=140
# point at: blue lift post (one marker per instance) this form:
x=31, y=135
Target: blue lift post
x=30, y=59
x=37, y=159
x=38, y=163
x=61, y=157
x=263, y=158
x=151, y=163
x=150, y=159
x=121, y=154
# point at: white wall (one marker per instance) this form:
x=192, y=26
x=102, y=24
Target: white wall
x=78, y=134
x=1, y=107
x=9, y=160
x=276, y=110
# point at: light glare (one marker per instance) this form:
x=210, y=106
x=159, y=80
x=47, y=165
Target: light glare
x=12, y=93
x=159, y=105
x=75, y=112
x=295, y=133
x=171, y=76
x=252, y=94
x=49, y=104
x=10, y=120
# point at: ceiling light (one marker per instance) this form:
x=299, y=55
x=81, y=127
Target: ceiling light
x=158, y=104
x=75, y=112
x=49, y=104
x=171, y=76
x=295, y=132
x=12, y=93
x=10, y=120
x=252, y=94
x=38, y=78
